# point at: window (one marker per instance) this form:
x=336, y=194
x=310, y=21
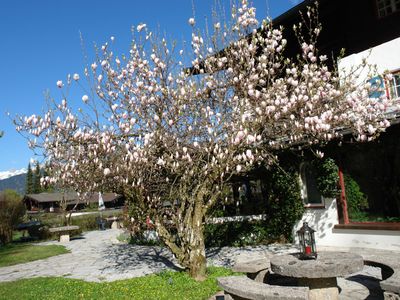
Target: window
x=387, y=7
x=394, y=85
x=309, y=190
x=247, y=196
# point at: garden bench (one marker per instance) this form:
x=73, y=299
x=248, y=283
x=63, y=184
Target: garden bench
x=244, y=288
x=390, y=268
x=256, y=269
x=63, y=231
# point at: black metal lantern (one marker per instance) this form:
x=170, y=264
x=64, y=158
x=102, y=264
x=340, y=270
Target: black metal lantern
x=308, y=249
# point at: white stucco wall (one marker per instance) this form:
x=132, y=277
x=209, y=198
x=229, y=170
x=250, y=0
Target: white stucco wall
x=375, y=239
x=323, y=221
x=386, y=57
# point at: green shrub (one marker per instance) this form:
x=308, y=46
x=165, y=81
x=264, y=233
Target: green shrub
x=39, y=232
x=327, y=177
x=12, y=211
x=285, y=206
x=357, y=202
x=86, y=222
x=237, y=234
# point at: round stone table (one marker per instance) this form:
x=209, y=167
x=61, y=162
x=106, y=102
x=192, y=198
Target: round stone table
x=318, y=274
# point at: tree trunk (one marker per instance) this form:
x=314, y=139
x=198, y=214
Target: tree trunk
x=197, y=261
x=197, y=256
x=190, y=248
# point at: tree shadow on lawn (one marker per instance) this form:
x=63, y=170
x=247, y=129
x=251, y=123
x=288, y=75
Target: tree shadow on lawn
x=127, y=257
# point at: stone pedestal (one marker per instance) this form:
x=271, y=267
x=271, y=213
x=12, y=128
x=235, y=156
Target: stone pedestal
x=64, y=238
x=321, y=288
x=115, y=225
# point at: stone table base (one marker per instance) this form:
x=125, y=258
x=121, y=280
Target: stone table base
x=115, y=225
x=64, y=238
x=321, y=288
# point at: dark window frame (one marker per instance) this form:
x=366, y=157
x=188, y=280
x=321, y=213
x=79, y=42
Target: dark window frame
x=304, y=189
x=381, y=7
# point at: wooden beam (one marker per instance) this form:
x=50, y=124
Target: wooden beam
x=342, y=207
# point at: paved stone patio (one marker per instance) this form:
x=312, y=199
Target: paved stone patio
x=99, y=256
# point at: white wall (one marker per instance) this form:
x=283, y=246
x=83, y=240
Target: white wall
x=323, y=221
x=385, y=56
x=376, y=239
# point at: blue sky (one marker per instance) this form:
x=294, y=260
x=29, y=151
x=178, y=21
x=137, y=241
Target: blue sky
x=40, y=44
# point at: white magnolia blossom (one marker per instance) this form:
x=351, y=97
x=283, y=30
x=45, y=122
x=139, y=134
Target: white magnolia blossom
x=85, y=98
x=140, y=27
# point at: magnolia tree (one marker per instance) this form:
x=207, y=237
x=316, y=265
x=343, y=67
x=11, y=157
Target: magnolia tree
x=157, y=133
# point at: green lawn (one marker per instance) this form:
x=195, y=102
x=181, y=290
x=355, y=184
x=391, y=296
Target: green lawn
x=13, y=254
x=166, y=285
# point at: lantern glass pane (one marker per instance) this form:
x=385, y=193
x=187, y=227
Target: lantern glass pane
x=301, y=241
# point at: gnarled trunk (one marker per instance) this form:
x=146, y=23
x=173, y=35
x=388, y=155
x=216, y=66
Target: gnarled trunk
x=189, y=249
x=197, y=261
x=190, y=254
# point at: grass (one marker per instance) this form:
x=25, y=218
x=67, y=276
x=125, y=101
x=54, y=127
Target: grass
x=13, y=254
x=165, y=285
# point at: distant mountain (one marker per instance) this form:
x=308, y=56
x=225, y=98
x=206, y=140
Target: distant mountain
x=8, y=174
x=14, y=180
